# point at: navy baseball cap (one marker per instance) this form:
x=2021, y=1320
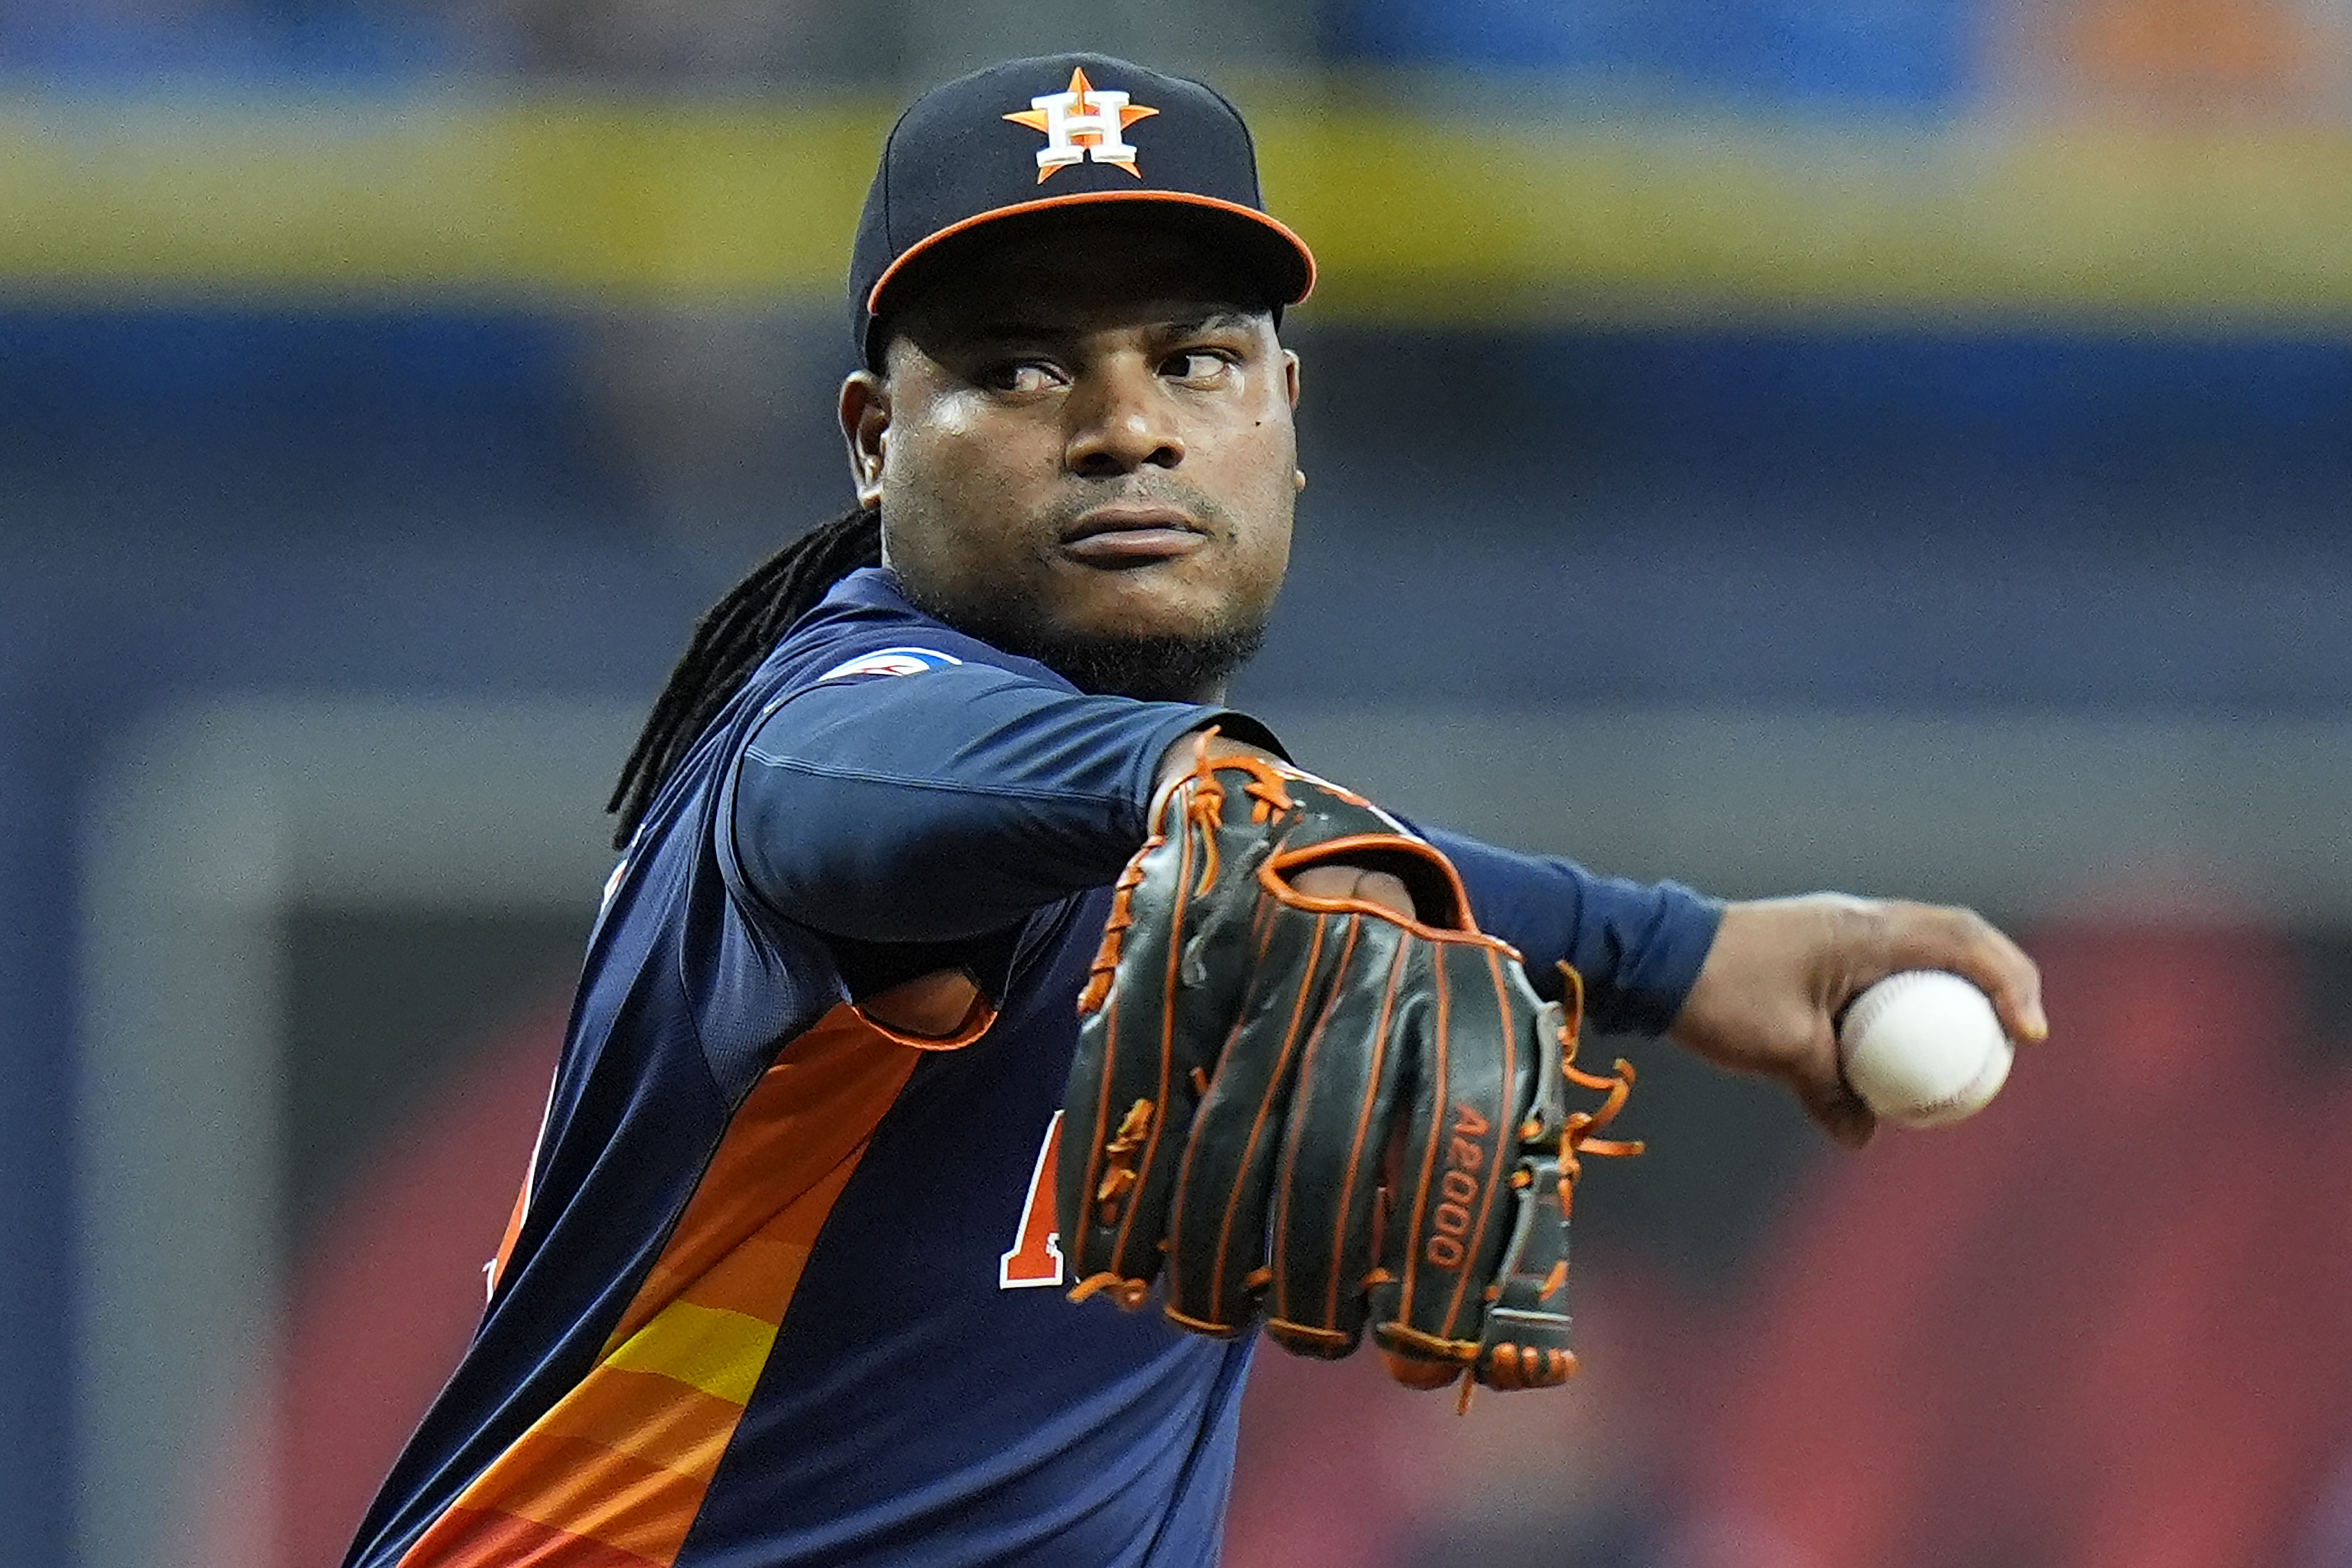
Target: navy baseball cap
x=1058, y=131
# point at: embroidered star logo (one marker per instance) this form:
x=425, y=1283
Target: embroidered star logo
x=1080, y=123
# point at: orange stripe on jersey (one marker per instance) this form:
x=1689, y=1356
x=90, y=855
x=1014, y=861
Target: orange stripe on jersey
x=505, y=1254
x=642, y=1414
x=787, y=1153
x=629, y=1509
x=463, y=1538
x=623, y=1461
x=764, y=1265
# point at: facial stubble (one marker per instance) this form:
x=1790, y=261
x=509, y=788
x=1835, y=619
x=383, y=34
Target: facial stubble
x=1163, y=667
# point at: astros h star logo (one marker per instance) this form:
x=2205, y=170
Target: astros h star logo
x=1080, y=123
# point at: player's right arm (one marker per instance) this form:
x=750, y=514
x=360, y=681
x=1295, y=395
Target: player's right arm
x=1638, y=947
x=1754, y=987
x=944, y=805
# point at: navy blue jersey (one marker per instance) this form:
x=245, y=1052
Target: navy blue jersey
x=782, y=1286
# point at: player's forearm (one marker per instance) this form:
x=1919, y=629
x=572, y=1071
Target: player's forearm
x=1638, y=946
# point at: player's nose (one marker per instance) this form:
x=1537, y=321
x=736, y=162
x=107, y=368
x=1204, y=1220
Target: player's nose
x=1121, y=418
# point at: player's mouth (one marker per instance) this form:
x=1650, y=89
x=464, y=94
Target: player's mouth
x=1116, y=537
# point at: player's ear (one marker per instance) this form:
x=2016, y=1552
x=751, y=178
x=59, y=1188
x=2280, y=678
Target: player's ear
x=865, y=426
x=1290, y=375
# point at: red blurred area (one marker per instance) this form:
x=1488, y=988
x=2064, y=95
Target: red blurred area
x=2179, y=62
x=2102, y=1326
x=383, y=1306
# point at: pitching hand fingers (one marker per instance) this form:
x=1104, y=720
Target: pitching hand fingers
x=1810, y=1069
x=1339, y=881
x=1925, y=936
x=1835, y=1108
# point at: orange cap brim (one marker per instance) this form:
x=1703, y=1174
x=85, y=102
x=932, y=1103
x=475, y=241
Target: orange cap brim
x=930, y=242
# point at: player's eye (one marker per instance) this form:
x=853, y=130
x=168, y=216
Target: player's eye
x=1018, y=376
x=1197, y=367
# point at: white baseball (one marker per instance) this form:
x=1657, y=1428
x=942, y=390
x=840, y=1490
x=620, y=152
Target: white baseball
x=1922, y=1047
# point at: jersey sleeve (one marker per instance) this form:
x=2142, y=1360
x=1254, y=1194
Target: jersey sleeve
x=945, y=805
x=1638, y=945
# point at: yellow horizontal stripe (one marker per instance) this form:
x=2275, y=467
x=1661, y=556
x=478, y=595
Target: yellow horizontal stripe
x=542, y=199
x=720, y=1353
x=1463, y=222
x=568, y=197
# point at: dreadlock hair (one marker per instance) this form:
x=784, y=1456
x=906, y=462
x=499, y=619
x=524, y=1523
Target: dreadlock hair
x=729, y=640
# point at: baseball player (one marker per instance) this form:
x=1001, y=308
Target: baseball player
x=785, y=1284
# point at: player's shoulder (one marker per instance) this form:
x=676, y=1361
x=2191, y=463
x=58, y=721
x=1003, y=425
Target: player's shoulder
x=865, y=630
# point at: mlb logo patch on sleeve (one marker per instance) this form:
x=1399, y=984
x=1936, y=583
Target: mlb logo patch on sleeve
x=891, y=661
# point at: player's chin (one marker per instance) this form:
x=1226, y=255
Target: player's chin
x=1173, y=598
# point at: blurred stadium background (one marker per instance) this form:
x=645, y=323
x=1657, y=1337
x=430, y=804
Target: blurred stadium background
x=1900, y=445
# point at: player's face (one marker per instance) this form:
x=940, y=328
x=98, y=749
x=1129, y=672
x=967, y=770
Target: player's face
x=1083, y=448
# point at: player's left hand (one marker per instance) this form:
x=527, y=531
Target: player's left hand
x=1782, y=970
